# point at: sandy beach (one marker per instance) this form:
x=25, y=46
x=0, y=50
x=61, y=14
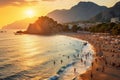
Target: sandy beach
x=106, y=64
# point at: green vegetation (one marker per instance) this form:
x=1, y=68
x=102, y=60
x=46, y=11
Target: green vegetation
x=74, y=28
x=46, y=25
x=111, y=28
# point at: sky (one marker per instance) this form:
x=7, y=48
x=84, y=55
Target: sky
x=14, y=10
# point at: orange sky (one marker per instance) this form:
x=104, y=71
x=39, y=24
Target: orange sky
x=12, y=10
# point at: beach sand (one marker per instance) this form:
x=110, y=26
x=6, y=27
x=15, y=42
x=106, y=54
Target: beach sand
x=106, y=64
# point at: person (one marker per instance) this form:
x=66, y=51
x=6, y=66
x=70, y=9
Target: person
x=106, y=63
x=92, y=64
x=77, y=55
x=61, y=61
x=68, y=57
x=96, y=60
x=91, y=75
x=84, y=62
x=74, y=70
x=54, y=62
x=74, y=56
x=97, y=69
x=86, y=56
x=81, y=60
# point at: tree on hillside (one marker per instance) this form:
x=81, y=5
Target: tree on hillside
x=74, y=28
x=111, y=28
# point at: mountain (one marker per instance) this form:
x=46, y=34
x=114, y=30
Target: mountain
x=80, y=12
x=106, y=15
x=21, y=24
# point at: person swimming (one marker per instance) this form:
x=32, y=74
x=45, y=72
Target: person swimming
x=61, y=61
x=68, y=57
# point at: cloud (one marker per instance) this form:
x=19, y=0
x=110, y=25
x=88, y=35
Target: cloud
x=20, y=2
x=48, y=0
x=17, y=2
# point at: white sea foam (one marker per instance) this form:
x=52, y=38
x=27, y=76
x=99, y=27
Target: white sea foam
x=67, y=72
x=31, y=57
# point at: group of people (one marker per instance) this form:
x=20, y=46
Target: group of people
x=82, y=56
x=107, y=52
x=54, y=62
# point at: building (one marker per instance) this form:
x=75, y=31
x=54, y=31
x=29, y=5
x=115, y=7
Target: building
x=85, y=25
x=114, y=20
x=70, y=26
x=82, y=25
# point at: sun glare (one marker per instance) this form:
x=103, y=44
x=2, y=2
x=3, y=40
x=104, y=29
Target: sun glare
x=30, y=13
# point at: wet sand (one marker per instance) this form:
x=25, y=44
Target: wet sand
x=106, y=64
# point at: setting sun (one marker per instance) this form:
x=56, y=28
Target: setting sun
x=30, y=13
x=59, y=39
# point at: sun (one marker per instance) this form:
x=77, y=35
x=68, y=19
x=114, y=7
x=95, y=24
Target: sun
x=30, y=13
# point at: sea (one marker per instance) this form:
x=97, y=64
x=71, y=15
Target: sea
x=36, y=57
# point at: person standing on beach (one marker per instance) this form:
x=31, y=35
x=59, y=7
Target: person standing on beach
x=91, y=75
x=74, y=70
x=92, y=64
x=54, y=62
x=86, y=56
x=106, y=62
x=96, y=60
x=81, y=60
x=84, y=62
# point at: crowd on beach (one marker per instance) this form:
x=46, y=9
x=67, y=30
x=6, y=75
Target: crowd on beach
x=80, y=58
x=106, y=64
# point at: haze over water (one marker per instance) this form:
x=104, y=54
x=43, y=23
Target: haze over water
x=32, y=56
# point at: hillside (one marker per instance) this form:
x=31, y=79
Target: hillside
x=44, y=25
x=21, y=24
x=106, y=15
x=80, y=12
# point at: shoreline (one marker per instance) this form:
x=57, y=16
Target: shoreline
x=66, y=72
x=106, y=64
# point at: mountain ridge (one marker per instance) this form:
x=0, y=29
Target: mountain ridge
x=20, y=24
x=77, y=12
x=106, y=15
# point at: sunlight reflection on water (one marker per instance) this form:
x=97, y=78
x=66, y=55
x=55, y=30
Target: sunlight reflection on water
x=31, y=56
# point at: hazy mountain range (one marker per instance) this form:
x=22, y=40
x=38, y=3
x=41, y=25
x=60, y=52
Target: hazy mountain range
x=106, y=15
x=81, y=12
x=20, y=24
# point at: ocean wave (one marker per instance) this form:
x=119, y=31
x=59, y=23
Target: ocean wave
x=18, y=76
x=63, y=69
